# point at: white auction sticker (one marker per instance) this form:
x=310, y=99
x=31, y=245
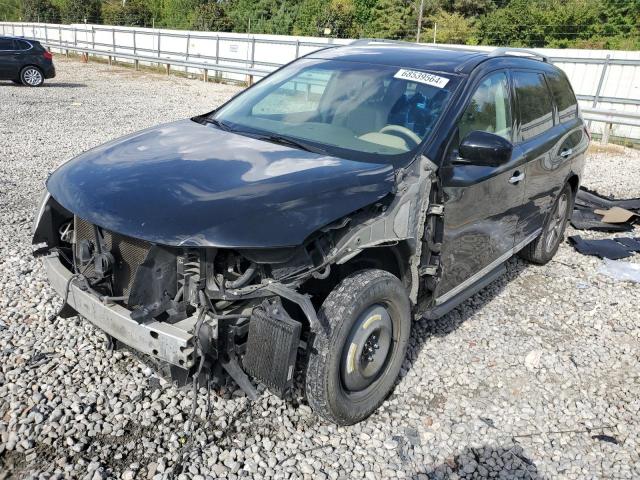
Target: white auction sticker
x=422, y=77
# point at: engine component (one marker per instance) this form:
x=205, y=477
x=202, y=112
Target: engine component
x=84, y=252
x=103, y=264
x=155, y=285
x=272, y=346
x=189, y=278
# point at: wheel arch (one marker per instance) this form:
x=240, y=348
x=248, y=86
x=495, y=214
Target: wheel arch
x=574, y=183
x=390, y=258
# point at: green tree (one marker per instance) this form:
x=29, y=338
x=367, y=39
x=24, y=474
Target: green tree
x=177, y=13
x=39, y=11
x=314, y=16
x=212, y=17
x=76, y=11
x=132, y=13
x=472, y=8
x=393, y=19
x=262, y=16
x=10, y=10
x=451, y=28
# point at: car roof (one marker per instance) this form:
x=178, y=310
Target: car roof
x=419, y=56
x=10, y=37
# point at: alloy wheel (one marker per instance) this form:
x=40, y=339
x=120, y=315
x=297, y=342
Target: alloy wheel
x=32, y=77
x=556, y=222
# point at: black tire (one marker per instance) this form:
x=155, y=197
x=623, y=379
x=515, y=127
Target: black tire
x=545, y=246
x=31, y=76
x=369, y=309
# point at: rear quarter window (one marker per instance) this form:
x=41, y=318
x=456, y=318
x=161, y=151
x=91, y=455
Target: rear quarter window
x=563, y=96
x=534, y=104
x=22, y=45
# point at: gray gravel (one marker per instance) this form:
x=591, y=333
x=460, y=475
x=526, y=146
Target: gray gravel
x=537, y=376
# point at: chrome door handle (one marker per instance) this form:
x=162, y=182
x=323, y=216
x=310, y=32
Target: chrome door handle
x=517, y=177
x=566, y=153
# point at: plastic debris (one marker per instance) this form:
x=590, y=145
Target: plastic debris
x=621, y=271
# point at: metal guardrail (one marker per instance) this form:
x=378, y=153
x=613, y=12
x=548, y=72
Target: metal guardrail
x=610, y=118
x=206, y=63
x=251, y=67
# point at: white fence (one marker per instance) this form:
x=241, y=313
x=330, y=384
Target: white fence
x=605, y=80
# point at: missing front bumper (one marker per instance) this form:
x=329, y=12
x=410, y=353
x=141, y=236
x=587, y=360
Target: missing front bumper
x=172, y=343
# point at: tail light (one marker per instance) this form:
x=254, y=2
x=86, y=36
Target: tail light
x=48, y=55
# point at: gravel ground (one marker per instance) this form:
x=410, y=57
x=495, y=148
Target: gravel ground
x=537, y=376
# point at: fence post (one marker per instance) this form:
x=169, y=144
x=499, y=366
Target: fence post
x=113, y=44
x=186, y=69
x=46, y=34
x=253, y=53
x=217, y=54
x=596, y=97
x=297, y=48
x=136, y=63
x=605, y=133
x=159, y=47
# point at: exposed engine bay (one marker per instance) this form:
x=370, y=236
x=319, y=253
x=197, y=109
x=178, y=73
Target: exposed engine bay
x=238, y=313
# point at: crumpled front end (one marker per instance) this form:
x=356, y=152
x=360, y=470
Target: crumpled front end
x=184, y=305
x=235, y=312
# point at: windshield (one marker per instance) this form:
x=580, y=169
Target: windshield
x=343, y=108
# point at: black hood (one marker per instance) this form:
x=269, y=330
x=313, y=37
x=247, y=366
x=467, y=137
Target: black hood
x=187, y=184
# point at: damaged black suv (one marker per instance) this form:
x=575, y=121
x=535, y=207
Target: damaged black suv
x=302, y=226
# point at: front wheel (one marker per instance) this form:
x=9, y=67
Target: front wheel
x=352, y=369
x=543, y=248
x=31, y=77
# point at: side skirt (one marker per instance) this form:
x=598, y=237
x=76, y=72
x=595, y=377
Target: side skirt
x=454, y=297
x=445, y=307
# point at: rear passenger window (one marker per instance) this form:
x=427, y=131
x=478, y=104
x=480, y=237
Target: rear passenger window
x=22, y=45
x=489, y=109
x=564, y=97
x=6, y=44
x=534, y=104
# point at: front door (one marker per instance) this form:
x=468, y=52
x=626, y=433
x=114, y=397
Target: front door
x=481, y=203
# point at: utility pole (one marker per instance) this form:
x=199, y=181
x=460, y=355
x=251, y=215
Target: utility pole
x=435, y=32
x=419, y=20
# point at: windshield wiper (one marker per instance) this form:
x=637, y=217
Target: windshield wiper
x=290, y=142
x=218, y=123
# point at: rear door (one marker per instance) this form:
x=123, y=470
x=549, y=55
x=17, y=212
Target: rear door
x=481, y=204
x=540, y=136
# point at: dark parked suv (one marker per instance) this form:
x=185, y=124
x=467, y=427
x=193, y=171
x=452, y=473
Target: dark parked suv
x=25, y=61
x=305, y=223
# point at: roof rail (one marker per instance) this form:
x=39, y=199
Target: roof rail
x=369, y=41
x=504, y=51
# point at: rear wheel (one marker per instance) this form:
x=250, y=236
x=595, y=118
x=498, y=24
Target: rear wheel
x=543, y=248
x=352, y=369
x=31, y=76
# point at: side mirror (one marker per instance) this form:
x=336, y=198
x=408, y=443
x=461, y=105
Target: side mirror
x=484, y=149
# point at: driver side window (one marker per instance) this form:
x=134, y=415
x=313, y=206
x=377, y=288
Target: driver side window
x=489, y=109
